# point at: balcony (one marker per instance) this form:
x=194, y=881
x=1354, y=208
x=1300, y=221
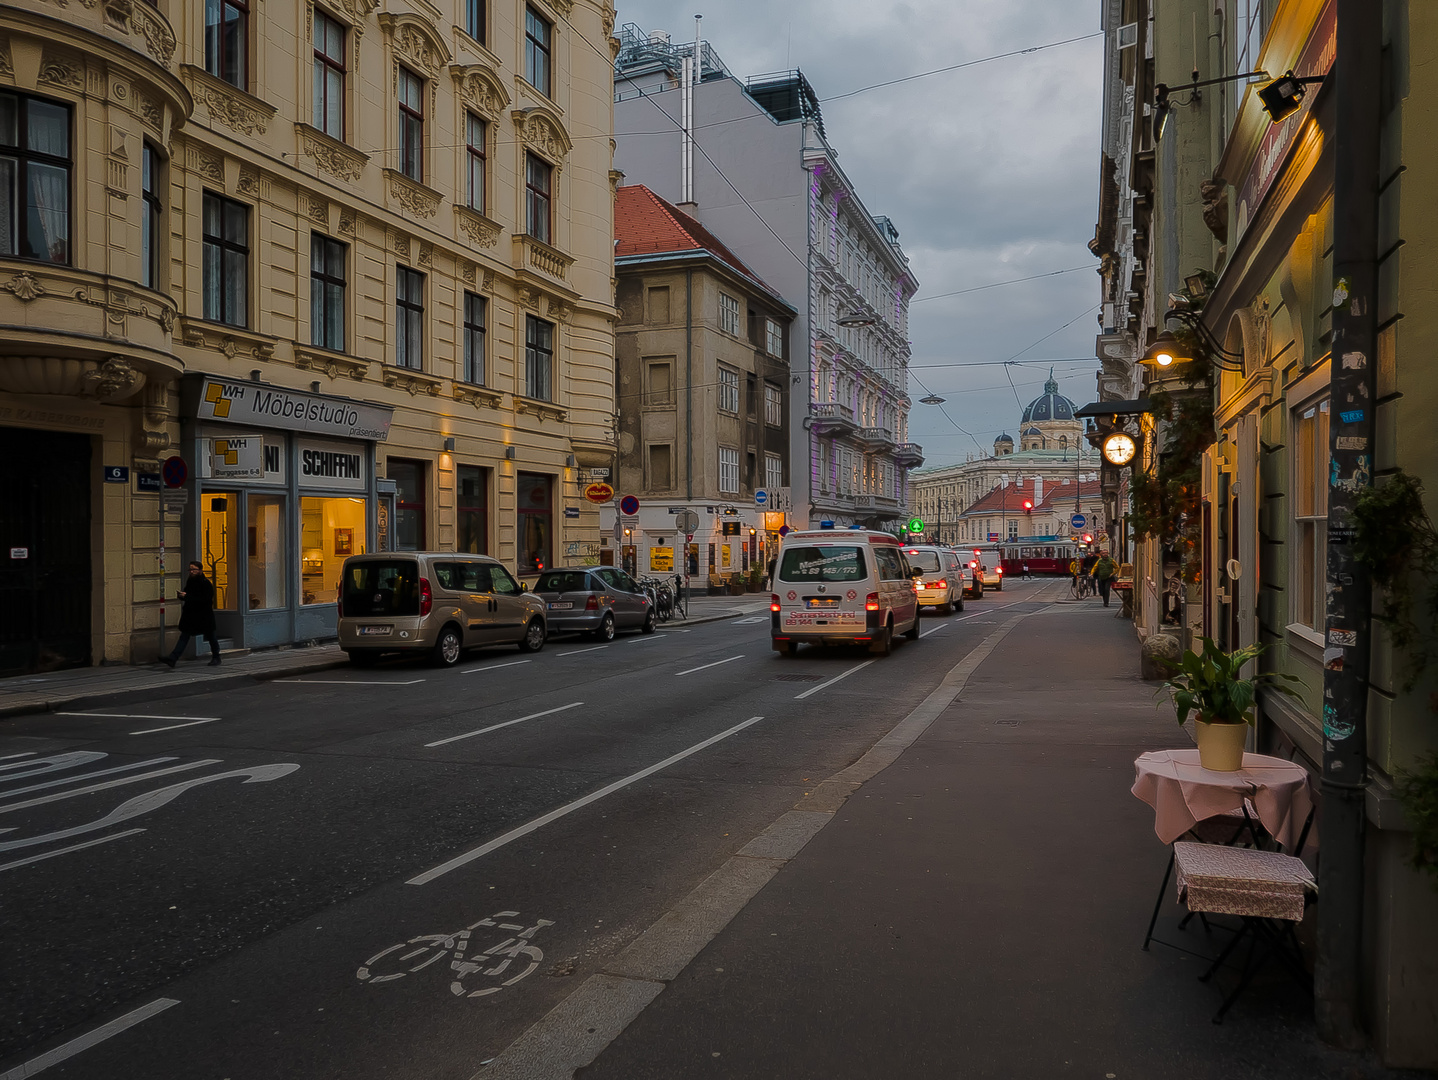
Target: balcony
x=908, y=455
x=539, y=258
x=831, y=418
x=875, y=438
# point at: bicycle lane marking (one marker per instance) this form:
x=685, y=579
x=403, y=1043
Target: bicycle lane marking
x=427, y=949
x=569, y=808
x=81, y=1043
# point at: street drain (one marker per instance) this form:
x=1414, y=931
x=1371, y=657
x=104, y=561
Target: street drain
x=797, y=678
x=1006, y=723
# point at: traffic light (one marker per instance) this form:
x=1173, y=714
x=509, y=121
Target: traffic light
x=1088, y=538
x=1028, y=505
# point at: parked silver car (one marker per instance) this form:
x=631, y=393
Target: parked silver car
x=438, y=602
x=598, y=600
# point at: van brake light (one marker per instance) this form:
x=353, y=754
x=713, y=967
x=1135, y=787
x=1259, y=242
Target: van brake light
x=426, y=596
x=774, y=602
x=872, y=603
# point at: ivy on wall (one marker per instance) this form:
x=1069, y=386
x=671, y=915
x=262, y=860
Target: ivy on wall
x=1167, y=503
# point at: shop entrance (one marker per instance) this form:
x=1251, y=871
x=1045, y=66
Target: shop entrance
x=44, y=551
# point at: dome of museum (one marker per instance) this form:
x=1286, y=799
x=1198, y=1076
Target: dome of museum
x=1050, y=405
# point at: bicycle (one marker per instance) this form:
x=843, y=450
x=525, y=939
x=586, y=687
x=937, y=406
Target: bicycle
x=1081, y=586
x=413, y=956
x=661, y=598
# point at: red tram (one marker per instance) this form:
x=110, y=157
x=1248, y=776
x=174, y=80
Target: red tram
x=1048, y=555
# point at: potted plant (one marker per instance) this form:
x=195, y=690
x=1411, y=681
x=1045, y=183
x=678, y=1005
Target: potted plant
x=1208, y=684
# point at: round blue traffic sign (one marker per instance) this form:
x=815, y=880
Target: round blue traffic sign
x=629, y=506
x=784, y=530
x=175, y=472
x=1078, y=521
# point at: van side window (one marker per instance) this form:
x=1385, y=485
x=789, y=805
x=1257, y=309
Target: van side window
x=891, y=566
x=446, y=576
x=503, y=583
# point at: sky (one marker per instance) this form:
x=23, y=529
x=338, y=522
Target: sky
x=990, y=173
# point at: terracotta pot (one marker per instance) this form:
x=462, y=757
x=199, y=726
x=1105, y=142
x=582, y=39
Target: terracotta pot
x=1220, y=746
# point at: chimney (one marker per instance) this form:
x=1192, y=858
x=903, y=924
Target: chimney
x=1038, y=490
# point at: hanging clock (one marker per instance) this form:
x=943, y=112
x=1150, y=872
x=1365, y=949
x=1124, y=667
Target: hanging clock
x=1119, y=448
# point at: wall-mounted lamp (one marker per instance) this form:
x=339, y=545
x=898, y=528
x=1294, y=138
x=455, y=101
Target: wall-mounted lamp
x=1166, y=349
x=509, y=453
x=315, y=386
x=571, y=461
x=1283, y=95
x=255, y=375
x=1163, y=105
x=1164, y=352
x=449, y=443
x=855, y=319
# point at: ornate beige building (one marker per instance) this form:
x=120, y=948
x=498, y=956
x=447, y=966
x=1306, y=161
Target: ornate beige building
x=353, y=266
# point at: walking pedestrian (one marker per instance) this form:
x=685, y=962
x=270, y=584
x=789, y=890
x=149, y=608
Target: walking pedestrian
x=1104, y=571
x=773, y=562
x=1026, y=572
x=197, y=615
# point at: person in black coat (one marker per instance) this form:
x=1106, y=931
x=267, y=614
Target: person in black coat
x=197, y=615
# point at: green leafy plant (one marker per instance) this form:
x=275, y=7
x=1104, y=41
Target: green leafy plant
x=1418, y=791
x=1167, y=503
x=1209, y=684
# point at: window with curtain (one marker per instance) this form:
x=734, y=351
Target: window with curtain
x=538, y=358
x=226, y=243
x=475, y=312
x=538, y=38
x=152, y=218
x=227, y=44
x=476, y=133
x=537, y=177
x=409, y=319
x=474, y=20
x=327, y=292
x=411, y=124
x=35, y=177
x=329, y=88
x=1310, y=513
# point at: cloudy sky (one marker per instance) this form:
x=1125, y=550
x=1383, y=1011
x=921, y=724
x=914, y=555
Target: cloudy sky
x=990, y=173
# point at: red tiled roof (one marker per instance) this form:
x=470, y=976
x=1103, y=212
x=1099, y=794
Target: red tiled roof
x=1010, y=499
x=645, y=224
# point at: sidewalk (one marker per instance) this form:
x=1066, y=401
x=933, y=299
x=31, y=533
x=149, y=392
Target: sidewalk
x=110, y=685
x=976, y=910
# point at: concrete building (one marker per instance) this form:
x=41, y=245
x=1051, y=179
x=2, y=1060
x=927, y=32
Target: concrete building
x=352, y=266
x=1052, y=455
x=797, y=221
x=702, y=385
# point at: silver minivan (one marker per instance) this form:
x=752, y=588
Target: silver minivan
x=842, y=586
x=938, y=577
x=435, y=602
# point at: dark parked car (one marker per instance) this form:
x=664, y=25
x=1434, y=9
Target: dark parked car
x=598, y=600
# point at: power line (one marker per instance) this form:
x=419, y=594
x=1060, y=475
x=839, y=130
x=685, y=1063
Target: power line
x=997, y=284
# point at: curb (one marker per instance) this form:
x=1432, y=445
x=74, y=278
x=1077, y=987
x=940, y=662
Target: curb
x=698, y=620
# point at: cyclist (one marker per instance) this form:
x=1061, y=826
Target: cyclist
x=1104, y=571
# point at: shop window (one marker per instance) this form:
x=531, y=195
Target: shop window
x=538, y=359
x=265, y=542
x=35, y=178
x=152, y=217
x=329, y=76
x=536, y=524
x=409, y=515
x=331, y=530
x=219, y=533
x=327, y=292
x=226, y=260
x=1310, y=513
x=227, y=33
x=538, y=177
x=472, y=510
x=538, y=43
x=411, y=124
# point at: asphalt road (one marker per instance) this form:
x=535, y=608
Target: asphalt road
x=276, y=880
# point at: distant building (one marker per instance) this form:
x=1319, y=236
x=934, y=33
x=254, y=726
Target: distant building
x=816, y=244
x=702, y=386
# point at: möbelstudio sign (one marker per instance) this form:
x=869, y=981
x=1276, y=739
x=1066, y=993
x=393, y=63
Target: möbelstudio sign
x=275, y=407
x=333, y=466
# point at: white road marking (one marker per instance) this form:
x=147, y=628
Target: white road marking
x=66, y=850
x=136, y=716
x=107, y=785
x=89, y=1039
x=569, y=808
x=174, y=727
x=349, y=682
x=493, y=667
x=79, y=777
x=673, y=630
x=507, y=723
x=831, y=682
x=7, y=757
x=933, y=630
x=577, y=652
x=756, y=619
x=54, y=763
x=703, y=667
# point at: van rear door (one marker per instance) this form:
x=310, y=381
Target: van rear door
x=822, y=588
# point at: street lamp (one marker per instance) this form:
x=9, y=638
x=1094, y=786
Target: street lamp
x=855, y=319
x=932, y=399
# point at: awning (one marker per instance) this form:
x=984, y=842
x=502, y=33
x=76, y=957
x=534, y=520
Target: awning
x=1116, y=408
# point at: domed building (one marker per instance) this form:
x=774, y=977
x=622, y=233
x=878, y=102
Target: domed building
x=1051, y=457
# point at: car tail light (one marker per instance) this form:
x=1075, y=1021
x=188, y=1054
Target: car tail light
x=920, y=585
x=973, y=566
x=774, y=602
x=872, y=603
x=340, y=600
x=999, y=571
x=592, y=604
x=426, y=596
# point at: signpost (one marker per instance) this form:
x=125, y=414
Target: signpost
x=761, y=497
x=629, y=506
x=174, y=472
x=1078, y=521
x=686, y=521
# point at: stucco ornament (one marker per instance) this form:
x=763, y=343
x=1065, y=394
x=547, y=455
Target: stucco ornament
x=112, y=379
x=25, y=286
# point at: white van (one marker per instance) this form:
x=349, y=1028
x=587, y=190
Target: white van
x=841, y=587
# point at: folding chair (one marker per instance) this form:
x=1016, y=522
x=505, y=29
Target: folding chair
x=1226, y=829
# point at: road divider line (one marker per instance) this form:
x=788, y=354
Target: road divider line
x=493, y=667
x=175, y=727
x=703, y=667
x=831, y=682
x=578, y=652
x=89, y=1039
x=507, y=723
x=80, y=778
x=135, y=716
x=569, y=808
x=7, y=757
x=933, y=630
x=66, y=850
x=350, y=682
x=106, y=786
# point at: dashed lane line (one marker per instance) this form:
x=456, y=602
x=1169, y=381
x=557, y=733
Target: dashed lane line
x=705, y=667
x=507, y=723
x=494, y=667
x=175, y=727
x=825, y=685
x=91, y=1038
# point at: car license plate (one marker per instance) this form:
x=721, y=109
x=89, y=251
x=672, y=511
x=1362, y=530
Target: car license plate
x=822, y=601
x=374, y=630
x=561, y=605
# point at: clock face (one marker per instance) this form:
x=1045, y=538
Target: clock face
x=1118, y=448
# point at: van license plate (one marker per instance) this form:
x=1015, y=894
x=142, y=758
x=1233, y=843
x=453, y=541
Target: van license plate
x=823, y=601
x=374, y=630
x=561, y=606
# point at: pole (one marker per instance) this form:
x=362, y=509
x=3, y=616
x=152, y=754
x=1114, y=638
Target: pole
x=1348, y=612
x=162, y=575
